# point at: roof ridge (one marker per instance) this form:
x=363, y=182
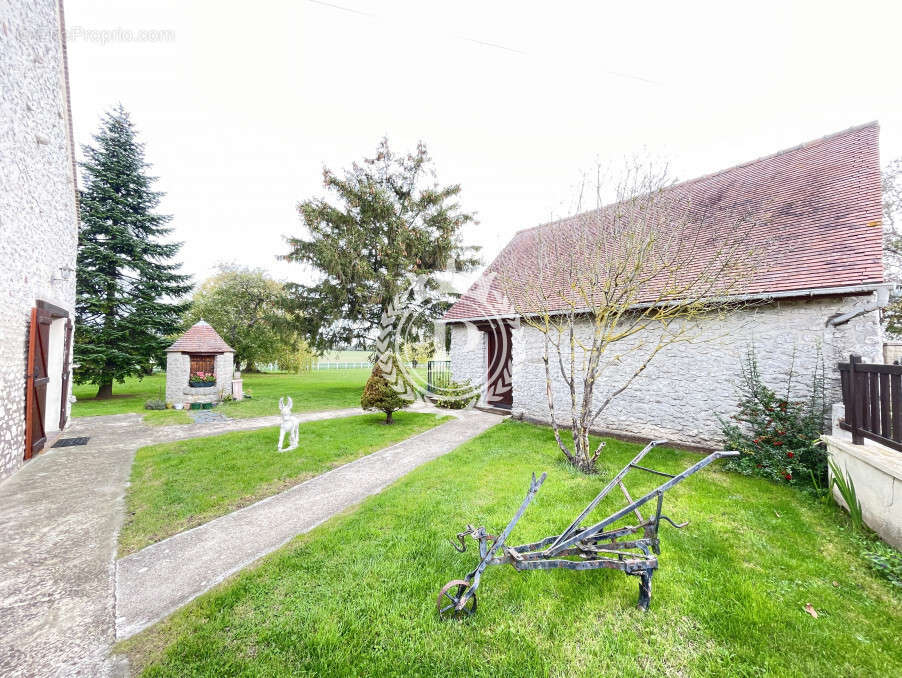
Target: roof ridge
x=805, y=144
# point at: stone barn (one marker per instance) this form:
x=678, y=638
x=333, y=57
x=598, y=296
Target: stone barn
x=816, y=300
x=199, y=350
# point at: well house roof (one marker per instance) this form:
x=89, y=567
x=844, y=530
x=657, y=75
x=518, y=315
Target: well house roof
x=201, y=338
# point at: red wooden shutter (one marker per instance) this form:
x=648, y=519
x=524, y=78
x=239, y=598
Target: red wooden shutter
x=64, y=394
x=36, y=380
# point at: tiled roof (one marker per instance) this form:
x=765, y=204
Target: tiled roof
x=818, y=206
x=201, y=338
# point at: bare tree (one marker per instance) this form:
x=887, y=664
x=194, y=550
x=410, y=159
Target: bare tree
x=891, y=184
x=611, y=288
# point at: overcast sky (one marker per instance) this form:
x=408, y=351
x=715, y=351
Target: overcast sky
x=241, y=105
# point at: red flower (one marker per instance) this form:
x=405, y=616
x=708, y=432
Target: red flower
x=756, y=440
x=790, y=454
x=778, y=442
x=787, y=475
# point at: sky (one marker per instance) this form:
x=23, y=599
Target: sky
x=241, y=105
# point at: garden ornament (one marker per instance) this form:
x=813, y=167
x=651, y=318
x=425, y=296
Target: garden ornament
x=289, y=425
x=576, y=548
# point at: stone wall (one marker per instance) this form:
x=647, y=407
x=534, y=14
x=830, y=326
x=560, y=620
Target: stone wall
x=688, y=385
x=38, y=222
x=468, y=353
x=178, y=365
x=225, y=370
x=178, y=368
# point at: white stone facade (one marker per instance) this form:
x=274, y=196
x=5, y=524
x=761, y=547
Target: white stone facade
x=468, y=354
x=38, y=217
x=178, y=368
x=688, y=385
x=877, y=473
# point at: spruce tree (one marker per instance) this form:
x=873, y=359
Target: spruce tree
x=127, y=284
x=388, y=218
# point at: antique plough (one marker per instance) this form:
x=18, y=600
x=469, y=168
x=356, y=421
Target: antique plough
x=577, y=547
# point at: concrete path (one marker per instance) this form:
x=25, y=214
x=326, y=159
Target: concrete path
x=157, y=580
x=60, y=516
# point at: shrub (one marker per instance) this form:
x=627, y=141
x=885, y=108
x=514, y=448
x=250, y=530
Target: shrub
x=886, y=560
x=779, y=438
x=295, y=358
x=378, y=394
x=455, y=395
x=155, y=404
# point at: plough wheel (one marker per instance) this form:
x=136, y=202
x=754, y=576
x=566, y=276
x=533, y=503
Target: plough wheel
x=450, y=596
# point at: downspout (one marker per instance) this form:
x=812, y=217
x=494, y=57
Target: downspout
x=880, y=300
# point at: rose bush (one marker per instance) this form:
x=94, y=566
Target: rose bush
x=779, y=437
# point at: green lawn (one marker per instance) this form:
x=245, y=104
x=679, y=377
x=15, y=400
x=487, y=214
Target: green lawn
x=167, y=418
x=356, y=596
x=311, y=391
x=176, y=486
x=127, y=397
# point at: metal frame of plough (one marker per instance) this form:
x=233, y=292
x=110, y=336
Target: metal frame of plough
x=595, y=546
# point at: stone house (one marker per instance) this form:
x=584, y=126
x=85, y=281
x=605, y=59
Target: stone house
x=200, y=349
x=38, y=231
x=816, y=300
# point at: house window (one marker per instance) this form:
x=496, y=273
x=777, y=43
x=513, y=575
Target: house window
x=203, y=363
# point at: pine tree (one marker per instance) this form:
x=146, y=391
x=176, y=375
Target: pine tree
x=127, y=286
x=389, y=218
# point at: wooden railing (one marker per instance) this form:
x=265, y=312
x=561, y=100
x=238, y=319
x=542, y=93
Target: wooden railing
x=872, y=396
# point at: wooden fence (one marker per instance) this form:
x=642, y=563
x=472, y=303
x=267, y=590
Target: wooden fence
x=872, y=396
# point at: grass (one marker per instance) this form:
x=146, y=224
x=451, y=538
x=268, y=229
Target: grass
x=127, y=397
x=167, y=418
x=311, y=391
x=179, y=485
x=356, y=596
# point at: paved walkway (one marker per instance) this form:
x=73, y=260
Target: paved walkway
x=157, y=580
x=60, y=517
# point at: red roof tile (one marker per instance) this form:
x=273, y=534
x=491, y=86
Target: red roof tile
x=818, y=206
x=201, y=338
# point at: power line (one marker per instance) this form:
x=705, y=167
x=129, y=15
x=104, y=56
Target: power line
x=475, y=41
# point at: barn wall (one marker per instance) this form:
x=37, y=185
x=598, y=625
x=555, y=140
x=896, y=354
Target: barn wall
x=468, y=353
x=687, y=385
x=38, y=223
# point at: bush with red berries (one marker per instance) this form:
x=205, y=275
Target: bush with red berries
x=778, y=436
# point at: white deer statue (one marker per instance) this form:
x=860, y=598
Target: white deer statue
x=289, y=425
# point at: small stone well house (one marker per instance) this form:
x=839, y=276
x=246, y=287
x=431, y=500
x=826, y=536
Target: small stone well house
x=200, y=349
x=817, y=296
